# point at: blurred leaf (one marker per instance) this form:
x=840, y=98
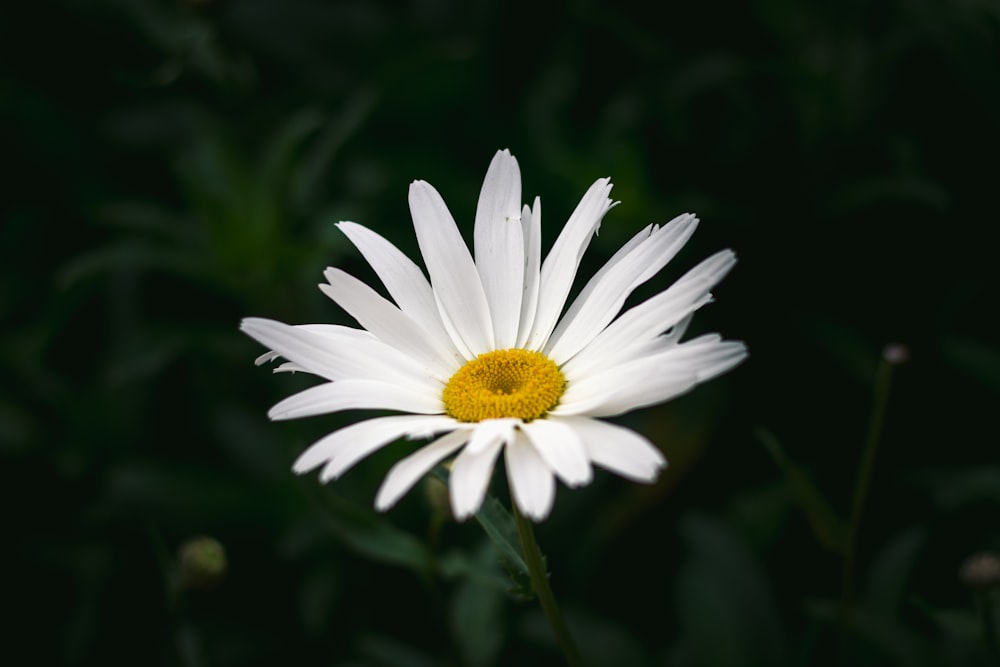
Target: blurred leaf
x=279, y=154
x=848, y=347
x=189, y=40
x=144, y=356
x=906, y=189
x=184, y=493
x=499, y=526
x=961, y=623
x=255, y=449
x=476, y=615
x=890, y=570
x=375, y=537
x=129, y=254
x=318, y=592
x=381, y=651
x=318, y=157
x=727, y=614
x=898, y=644
x=16, y=428
x=459, y=564
x=761, y=513
x=146, y=217
x=978, y=359
x=828, y=527
x=603, y=641
x=954, y=489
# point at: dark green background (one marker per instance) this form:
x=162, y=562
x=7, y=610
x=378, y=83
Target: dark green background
x=171, y=167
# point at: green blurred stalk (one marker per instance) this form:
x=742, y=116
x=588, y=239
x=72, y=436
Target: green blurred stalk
x=892, y=357
x=540, y=583
x=984, y=599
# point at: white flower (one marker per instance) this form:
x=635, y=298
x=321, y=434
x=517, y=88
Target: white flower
x=481, y=359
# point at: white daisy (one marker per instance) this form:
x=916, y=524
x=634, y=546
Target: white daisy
x=481, y=359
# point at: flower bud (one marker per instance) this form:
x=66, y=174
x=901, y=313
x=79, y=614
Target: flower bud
x=202, y=562
x=981, y=570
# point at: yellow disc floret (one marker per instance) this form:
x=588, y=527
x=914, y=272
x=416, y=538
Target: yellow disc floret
x=504, y=383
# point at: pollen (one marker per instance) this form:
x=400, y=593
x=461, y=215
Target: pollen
x=504, y=383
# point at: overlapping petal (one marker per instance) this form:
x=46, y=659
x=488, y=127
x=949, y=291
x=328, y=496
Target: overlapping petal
x=406, y=472
x=405, y=283
x=470, y=478
x=634, y=333
x=338, y=353
x=531, y=221
x=453, y=273
x=561, y=449
x=356, y=395
x=384, y=319
x=531, y=482
x=651, y=379
x=603, y=297
x=618, y=449
x=342, y=449
x=560, y=265
x=499, y=246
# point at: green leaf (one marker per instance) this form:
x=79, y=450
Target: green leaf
x=382, y=651
x=498, y=524
x=726, y=611
x=828, y=527
x=601, y=639
x=891, y=639
x=975, y=358
x=376, y=537
x=456, y=565
x=954, y=489
x=889, y=574
x=476, y=615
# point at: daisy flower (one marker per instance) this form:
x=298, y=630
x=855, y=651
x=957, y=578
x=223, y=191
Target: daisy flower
x=483, y=357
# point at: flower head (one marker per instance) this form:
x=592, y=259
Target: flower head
x=481, y=359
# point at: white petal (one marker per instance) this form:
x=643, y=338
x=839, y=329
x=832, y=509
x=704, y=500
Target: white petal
x=675, y=332
x=453, y=273
x=606, y=352
x=531, y=221
x=561, y=449
x=559, y=268
x=356, y=395
x=499, y=246
x=404, y=281
x=405, y=473
x=470, y=478
x=337, y=353
x=342, y=449
x=604, y=295
x=531, y=483
x=640, y=325
x=490, y=431
x=289, y=367
x=386, y=321
x=266, y=357
x=618, y=449
x=650, y=380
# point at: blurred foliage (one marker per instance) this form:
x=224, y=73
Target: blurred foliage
x=175, y=165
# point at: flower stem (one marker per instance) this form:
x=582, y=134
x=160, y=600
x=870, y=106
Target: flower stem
x=883, y=382
x=540, y=583
x=985, y=600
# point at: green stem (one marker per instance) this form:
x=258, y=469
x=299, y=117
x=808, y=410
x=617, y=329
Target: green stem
x=989, y=624
x=540, y=583
x=883, y=381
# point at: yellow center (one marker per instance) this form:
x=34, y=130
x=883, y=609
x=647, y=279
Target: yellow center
x=504, y=383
